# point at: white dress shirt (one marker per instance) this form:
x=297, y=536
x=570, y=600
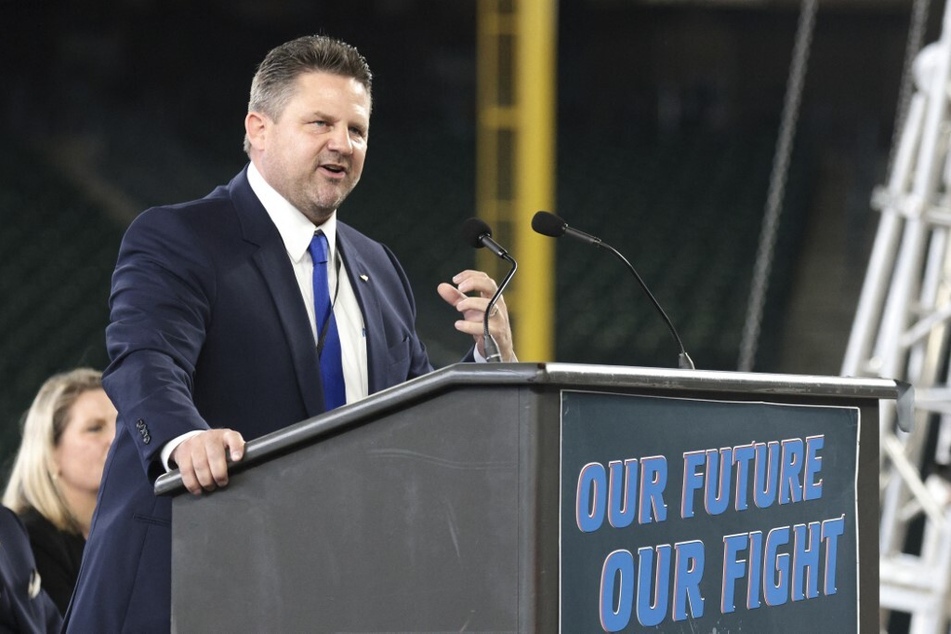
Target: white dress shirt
x=296, y=232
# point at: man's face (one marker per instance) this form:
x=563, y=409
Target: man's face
x=313, y=153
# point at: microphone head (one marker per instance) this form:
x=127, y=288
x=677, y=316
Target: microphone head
x=548, y=224
x=473, y=230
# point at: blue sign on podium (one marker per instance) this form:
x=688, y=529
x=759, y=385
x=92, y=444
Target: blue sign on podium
x=681, y=515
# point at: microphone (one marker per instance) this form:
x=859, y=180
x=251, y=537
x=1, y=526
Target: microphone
x=548, y=224
x=477, y=234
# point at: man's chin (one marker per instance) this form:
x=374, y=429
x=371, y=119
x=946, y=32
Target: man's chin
x=332, y=202
x=320, y=210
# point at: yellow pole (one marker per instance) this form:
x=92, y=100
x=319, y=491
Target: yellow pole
x=535, y=159
x=515, y=157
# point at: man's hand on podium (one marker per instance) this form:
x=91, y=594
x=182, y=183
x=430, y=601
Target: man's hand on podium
x=202, y=459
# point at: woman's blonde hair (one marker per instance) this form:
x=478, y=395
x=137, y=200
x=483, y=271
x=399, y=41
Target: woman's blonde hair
x=32, y=481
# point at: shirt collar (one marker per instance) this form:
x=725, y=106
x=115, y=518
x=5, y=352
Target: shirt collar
x=295, y=229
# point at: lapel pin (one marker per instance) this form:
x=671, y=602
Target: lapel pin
x=365, y=278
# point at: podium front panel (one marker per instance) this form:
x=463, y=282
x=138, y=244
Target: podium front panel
x=409, y=524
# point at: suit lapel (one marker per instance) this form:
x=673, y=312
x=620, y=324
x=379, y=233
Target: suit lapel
x=275, y=267
x=362, y=282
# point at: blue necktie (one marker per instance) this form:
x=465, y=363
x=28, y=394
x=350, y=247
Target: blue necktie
x=328, y=341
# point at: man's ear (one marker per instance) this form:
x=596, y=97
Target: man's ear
x=255, y=126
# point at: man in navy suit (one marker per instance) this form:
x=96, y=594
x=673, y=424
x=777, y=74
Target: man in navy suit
x=213, y=338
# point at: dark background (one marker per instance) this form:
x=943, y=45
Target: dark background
x=667, y=121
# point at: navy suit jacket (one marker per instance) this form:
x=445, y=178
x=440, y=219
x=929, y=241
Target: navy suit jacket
x=24, y=604
x=208, y=329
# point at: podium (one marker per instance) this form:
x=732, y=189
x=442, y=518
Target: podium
x=545, y=498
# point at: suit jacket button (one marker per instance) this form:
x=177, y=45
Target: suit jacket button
x=140, y=424
x=146, y=438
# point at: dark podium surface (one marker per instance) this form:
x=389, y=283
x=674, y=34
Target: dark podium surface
x=545, y=498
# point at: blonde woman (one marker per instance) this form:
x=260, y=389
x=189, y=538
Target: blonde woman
x=55, y=479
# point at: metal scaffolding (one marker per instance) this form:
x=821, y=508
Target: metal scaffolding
x=901, y=332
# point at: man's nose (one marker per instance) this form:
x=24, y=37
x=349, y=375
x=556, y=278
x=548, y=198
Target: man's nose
x=340, y=140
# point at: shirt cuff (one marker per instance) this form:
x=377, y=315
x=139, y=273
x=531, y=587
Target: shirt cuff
x=477, y=356
x=171, y=445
